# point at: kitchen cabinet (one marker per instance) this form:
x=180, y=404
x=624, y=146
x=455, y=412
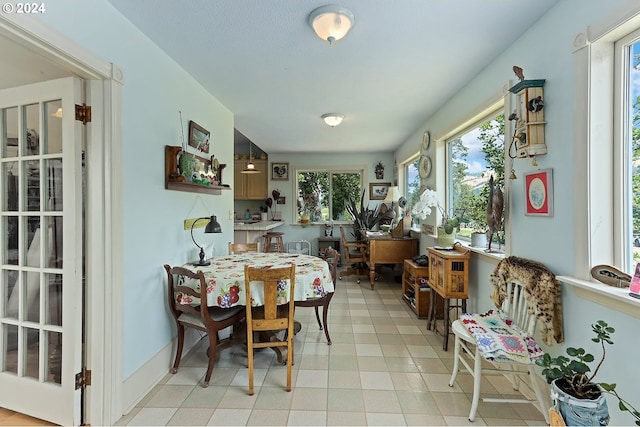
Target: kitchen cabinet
x=248, y=186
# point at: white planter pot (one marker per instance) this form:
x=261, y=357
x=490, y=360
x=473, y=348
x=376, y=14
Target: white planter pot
x=479, y=240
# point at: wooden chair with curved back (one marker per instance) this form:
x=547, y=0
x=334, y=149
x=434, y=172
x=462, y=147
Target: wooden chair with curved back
x=276, y=314
x=188, y=312
x=332, y=257
x=238, y=248
x=355, y=253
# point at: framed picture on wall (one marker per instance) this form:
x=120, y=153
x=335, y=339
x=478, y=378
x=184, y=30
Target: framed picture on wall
x=280, y=171
x=378, y=190
x=198, y=137
x=538, y=190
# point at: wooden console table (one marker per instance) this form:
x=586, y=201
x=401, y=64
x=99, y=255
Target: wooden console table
x=449, y=278
x=389, y=250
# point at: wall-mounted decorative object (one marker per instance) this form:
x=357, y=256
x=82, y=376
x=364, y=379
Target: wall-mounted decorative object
x=281, y=200
x=538, y=189
x=424, y=166
x=280, y=171
x=426, y=140
x=378, y=190
x=207, y=179
x=528, y=133
x=379, y=171
x=198, y=137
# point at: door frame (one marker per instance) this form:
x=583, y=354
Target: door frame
x=103, y=216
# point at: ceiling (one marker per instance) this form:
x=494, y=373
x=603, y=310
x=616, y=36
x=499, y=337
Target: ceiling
x=397, y=65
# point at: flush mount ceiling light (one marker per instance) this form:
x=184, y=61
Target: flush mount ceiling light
x=332, y=119
x=331, y=23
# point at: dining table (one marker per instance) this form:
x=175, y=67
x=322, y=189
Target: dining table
x=225, y=277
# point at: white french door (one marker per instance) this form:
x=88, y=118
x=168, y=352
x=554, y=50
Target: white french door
x=41, y=270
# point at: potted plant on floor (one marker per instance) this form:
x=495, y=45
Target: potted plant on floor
x=580, y=400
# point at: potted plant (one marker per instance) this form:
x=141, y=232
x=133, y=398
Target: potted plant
x=581, y=401
x=450, y=223
x=363, y=217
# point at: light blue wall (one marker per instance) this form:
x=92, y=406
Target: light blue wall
x=546, y=52
x=155, y=89
x=366, y=161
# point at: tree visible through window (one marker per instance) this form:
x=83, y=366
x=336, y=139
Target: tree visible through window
x=474, y=157
x=323, y=194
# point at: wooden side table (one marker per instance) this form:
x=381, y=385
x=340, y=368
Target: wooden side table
x=449, y=278
x=416, y=291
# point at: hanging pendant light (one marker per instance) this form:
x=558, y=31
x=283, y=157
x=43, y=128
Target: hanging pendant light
x=251, y=168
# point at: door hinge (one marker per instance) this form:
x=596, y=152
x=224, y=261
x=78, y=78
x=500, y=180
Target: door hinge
x=83, y=113
x=83, y=378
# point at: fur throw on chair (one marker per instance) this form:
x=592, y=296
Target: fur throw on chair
x=540, y=286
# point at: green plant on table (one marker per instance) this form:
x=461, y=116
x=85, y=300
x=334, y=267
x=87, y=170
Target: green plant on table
x=573, y=372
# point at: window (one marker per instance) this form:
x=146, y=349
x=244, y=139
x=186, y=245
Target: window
x=412, y=185
x=474, y=155
x=605, y=146
x=628, y=49
x=323, y=194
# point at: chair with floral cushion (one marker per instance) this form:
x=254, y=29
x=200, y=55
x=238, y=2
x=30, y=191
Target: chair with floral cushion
x=323, y=301
x=188, y=312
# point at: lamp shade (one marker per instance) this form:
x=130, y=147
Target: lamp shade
x=393, y=194
x=331, y=22
x=212, y=227
x=332, y=119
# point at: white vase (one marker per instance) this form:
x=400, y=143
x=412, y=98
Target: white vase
x=479, y=240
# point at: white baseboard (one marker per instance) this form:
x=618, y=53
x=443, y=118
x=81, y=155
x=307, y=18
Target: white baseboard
x=142, y=381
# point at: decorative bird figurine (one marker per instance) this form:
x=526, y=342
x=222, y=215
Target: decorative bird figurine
x=495, y=206
x=519, y=73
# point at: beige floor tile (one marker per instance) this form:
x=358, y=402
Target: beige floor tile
x=376, y=381
x=343, y=362
x=307, y=418
x=268, y=417
x=230, y=417
x=344, y=379
x=152, y=417
x=208, y=397
x=401, y=364
x=408, y=381
x=312, y=378
x=368, y=350
x=313, y=361
x=191, y=417
x=273, y=398
x=335, y=418
x=395, y=350
x=313, y=399
x=424, y=420
x=378, y=419
x=350, y=400
x=381, y=401
x=372, y=364
x=170, y=396
x=417, y=402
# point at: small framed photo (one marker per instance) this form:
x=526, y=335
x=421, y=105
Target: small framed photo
x=282, y=200
x=538, y=190
x=378, y=190
x=280, y=171
x=198, y=137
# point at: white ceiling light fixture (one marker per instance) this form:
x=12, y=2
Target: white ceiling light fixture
x=331, y=22
x=332, y=119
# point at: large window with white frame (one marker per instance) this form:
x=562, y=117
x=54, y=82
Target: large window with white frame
x=627, y=53
x=474, y=154
x=323, y=194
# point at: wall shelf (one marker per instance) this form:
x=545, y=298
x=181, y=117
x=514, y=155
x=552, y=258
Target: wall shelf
x=172, y=180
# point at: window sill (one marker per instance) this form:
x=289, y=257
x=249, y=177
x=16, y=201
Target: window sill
x=617, y=299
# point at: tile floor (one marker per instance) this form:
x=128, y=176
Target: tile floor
x=384, y=368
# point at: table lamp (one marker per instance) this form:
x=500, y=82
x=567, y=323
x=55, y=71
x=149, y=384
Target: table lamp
x=392, y=196
x=212, y=227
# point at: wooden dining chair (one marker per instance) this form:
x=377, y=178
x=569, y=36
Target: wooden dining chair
x=355, y=253
x=323, y=301
x=188, y=311
x=273, y=316
x=238, y=248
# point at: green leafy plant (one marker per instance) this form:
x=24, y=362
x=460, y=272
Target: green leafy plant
x=573, y=372
x=363, y=217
